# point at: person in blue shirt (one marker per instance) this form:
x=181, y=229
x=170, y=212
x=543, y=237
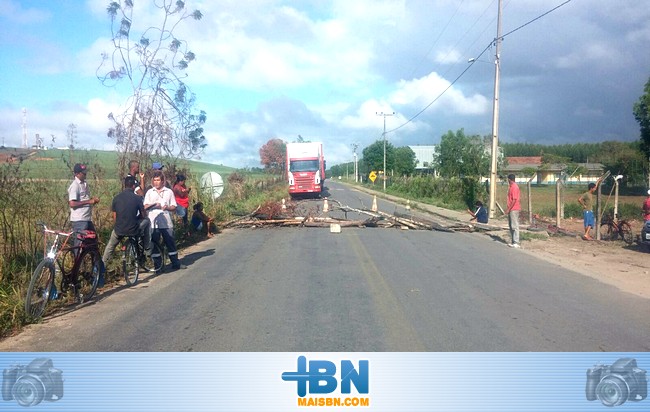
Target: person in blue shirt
x=480, y=214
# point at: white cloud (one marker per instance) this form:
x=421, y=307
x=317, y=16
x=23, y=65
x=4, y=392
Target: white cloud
x=434, y=90
x=448, y=56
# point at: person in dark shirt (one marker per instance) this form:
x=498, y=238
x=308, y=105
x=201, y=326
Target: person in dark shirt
x=130, y=219
x=134, y=171
x=480, y=214
x=202, y=221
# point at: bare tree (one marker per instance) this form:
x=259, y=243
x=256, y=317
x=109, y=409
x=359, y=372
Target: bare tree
x=159, y=116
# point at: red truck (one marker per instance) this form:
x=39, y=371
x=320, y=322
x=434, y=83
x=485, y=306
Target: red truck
x=305, y=168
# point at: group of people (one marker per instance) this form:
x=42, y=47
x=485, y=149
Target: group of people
x=138, y=212
x=200, y=221
x=513, y=209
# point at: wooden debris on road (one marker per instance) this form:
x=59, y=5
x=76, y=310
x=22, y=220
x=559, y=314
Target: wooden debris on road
x=271, y=214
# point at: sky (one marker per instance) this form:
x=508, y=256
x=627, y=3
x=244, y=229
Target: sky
x=325, y=69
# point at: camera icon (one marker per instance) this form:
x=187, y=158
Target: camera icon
x=30, y=385
x=613, y=385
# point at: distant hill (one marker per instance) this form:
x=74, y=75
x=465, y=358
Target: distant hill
x=57, y=163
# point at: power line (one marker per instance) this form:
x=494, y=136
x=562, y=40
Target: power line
x=472, y=63
x=437, y=38
x=535, y=19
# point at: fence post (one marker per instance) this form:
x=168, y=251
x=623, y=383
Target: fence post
x=558, y=203
x=530, y=200
x=598, y=207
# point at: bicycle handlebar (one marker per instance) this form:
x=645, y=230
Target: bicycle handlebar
x=54, y=232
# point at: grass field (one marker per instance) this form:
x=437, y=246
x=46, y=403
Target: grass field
x=57, y=163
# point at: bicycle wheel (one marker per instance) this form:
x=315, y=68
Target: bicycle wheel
x=148, y=265
x=607, y=232
x=40, y=288
x=130, y=268
x=88, y=275
x=157, y=257
x=626, y=233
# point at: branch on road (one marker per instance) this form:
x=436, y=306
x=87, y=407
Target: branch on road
x=310, y=213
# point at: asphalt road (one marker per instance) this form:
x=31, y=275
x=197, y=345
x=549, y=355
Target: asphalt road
x=364, y=289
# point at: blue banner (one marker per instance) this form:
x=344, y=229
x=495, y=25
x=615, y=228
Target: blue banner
x=325, y=381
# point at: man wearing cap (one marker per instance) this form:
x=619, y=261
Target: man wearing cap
x=80, y=201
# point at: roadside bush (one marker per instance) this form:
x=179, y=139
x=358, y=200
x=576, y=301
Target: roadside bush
x=627, y=211
x=451, y=193
x=571, y=210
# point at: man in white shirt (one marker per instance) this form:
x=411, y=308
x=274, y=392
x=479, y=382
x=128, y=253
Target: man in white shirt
x=160, y=201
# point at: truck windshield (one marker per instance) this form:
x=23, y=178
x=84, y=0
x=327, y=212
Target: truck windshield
x=303, y=165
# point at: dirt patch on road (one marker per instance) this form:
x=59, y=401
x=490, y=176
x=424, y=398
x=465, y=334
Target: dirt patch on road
x=612, y=262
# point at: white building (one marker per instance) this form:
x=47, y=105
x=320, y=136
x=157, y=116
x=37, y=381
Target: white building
x=424, y=157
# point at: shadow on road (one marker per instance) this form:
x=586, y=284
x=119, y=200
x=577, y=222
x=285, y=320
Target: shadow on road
x=193, y=257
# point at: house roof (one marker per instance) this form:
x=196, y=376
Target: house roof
x=527, y=160
x=517, y=164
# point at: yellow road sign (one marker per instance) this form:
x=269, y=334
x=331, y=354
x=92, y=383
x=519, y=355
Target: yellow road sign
x=372, y=176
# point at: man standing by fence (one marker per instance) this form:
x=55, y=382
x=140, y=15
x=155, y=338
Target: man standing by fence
x=513, y=209
x=587, y=203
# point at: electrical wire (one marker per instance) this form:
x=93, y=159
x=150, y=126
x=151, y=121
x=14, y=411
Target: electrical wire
x=436, y=40
x=472, y=64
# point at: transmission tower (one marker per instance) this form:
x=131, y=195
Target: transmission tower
x=24, y=128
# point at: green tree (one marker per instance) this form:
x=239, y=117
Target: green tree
x=159, y=116
x=625, y=158
x=405, y=161
x=373, y=156
x=459, y=155
x=641, y=112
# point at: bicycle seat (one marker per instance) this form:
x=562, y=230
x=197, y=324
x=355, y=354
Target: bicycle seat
x=87, y=235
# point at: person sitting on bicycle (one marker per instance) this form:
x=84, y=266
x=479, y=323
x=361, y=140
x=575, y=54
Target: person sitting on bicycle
x=130, y=220
x=160, y=201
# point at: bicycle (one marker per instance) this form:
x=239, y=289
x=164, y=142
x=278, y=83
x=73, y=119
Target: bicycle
x=611, y=229
x=79, y=266
x=158, y=250
x=134, y=258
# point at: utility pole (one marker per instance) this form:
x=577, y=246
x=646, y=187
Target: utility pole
x=356, y=170
x=495, y=117
x=384, y=134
